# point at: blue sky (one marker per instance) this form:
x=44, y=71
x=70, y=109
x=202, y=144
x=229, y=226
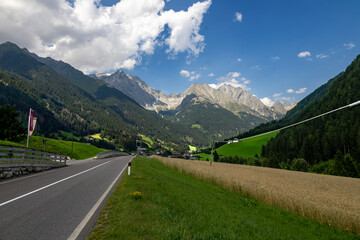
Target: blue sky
x=277, y=50
x=268, y=41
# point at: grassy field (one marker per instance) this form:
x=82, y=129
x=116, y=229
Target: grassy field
x=246, y=148
x=328, y=199
x=192, y=148
x=146, y=140
x=78, y=151
x=97, y=136
x=157, y=202
x=204, y=156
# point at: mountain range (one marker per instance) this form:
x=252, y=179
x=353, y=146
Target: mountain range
x=234, y=99
x=219, y=111
x=122, y=106
x=65, y=99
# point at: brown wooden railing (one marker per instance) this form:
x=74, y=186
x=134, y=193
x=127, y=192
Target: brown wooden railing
x=14, y=156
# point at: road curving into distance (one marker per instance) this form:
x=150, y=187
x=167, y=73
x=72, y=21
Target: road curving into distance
x=62, y=203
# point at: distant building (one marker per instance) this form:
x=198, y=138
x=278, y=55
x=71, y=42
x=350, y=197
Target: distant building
x=194, y=157
x=235, y=140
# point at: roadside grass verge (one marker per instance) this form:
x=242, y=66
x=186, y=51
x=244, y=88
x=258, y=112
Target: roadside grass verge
x=78, y=151
x=157, y=202
x=331, y=200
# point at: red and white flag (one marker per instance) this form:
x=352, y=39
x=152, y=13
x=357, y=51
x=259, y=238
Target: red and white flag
x=32, y=122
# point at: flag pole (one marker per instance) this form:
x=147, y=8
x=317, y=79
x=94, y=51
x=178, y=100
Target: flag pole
x=27, y=141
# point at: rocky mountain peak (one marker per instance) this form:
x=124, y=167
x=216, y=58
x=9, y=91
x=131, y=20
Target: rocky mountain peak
x=234, y=99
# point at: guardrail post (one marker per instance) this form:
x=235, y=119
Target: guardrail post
x=11, y=154
x=23, y=154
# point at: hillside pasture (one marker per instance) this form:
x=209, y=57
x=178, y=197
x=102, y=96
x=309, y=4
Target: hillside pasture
x=192, y=148
x=247, y=147
x=75, y=150
x=328, y=199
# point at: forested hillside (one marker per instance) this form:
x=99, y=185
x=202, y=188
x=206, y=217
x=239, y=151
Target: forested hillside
x=61, y=105
x=330, y=144
x=146, y=121
x=211, y=119
x=291, y=116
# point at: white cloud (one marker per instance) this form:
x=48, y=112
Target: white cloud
x=276, y=95
x=233, y=79
x=246, y=82
x=238, y=17
x=194, y=77
x=304, y=54
x=185, y=73
x=267, y=101
x=92, y=37
x=239, y=59
x=211, y=75
x=275, y=58
x=349, y=45
x=322, y=55
x=128, y=63
x=256, y=68
x=234, y=74
x=190, y=75
x=280, y=98
x=301, y=90
x=185, y=27
x=288, y=99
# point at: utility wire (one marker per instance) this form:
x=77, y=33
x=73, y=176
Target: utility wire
x=295, y=124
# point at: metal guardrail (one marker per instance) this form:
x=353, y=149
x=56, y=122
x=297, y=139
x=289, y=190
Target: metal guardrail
x=14, y=156
x=109, y=154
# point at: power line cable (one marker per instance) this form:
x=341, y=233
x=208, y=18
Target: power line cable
x=309, y=119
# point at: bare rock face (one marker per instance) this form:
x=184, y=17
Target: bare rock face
x=279, y=107
x=234, y=99
x=282, y=108
x=132, y=86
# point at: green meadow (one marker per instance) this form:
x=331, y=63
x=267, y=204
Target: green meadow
x=74, y=150
x=156, y=202
x=192, y=148
x=246, y=148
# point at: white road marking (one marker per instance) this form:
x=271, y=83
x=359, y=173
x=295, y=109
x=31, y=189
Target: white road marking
x=83, y=223
x=39, y=189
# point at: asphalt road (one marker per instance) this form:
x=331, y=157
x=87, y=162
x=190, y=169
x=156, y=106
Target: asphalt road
x=58, y=204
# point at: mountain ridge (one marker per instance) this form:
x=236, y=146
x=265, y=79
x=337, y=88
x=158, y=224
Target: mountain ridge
x=195, y=106
x=157, y=101
x=100, y=108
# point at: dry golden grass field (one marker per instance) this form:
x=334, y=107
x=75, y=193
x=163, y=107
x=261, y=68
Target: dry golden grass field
x=328, y=199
